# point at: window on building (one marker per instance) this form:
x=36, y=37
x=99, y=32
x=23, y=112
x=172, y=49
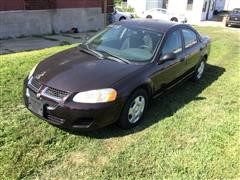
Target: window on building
x=190, y=5
x=165, y=4
x=205, y=6
x=213, y=5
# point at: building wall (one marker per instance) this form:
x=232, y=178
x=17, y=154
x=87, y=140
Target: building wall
x=35, y=22
x=36, y=17
x=138, y=5
x=6, y=5
x=220, y=4
x=194, y=15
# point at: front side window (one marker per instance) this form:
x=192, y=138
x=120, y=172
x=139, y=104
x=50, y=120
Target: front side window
x=132, y=44
x=173, y=43
x=190, y=38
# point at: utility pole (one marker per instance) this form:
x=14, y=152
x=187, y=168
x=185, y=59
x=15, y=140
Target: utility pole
x=105, y=4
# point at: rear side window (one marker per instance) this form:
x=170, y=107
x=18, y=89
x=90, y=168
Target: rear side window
x=173, y=43
x=190, y=37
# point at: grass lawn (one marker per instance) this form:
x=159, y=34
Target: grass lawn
x=192, y=132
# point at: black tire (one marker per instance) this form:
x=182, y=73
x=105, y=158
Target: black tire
x=122, y=18
x=174, y=19
x=199, y=71
x=149, y=17
x=124, y=120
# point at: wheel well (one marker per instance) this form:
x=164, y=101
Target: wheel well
x=122, y=17
x=205, y=57
x=148, y=16
x=174, y=18
x=145, y=87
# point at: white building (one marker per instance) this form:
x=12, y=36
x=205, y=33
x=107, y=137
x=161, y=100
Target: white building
x=231, y=4
x=194, y=10
x=143, y=5
x=220, y=4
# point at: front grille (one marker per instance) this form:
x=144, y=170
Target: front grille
x=48, y=103
x=234, y=18
x=55, y=93
x=49, y=92
x=55, y=119
x=34, y=84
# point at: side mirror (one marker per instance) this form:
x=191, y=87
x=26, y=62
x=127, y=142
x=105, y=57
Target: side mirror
x=167, y=57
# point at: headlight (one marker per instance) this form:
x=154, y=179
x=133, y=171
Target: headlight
x=32, y=71
x=96, y=96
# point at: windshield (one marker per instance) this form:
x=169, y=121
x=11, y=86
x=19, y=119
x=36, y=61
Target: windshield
x=236, y=11
x=131, y=44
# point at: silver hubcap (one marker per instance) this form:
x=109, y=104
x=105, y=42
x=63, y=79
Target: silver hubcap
x=136, y=109
x=200, y=70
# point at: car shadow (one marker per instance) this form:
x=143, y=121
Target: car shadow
x=164, y=106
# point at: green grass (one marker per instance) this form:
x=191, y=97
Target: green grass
x=192, y=132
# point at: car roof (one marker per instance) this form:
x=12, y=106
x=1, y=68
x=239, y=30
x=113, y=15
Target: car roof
x=149, y=24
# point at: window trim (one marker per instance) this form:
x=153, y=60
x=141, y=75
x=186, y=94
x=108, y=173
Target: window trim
x=191, y=44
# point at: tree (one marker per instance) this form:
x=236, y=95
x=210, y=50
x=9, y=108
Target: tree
x=118, y=2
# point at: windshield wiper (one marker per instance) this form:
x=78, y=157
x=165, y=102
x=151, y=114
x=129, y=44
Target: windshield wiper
x=86, y=49
x=115, y=57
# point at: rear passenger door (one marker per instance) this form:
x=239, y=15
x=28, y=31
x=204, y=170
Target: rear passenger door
x=192, y=48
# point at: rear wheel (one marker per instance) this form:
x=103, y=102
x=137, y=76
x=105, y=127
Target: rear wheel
x=199, y=71
x=149, y=17
x=122, y=18
x=133, y=110
x=174, y=19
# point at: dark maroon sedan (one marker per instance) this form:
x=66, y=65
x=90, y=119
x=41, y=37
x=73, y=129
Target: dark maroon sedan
x=112, y=77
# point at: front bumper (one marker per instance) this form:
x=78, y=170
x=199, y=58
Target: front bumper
x=231, y=22
x=74, y=116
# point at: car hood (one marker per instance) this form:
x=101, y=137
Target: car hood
x=76, y=71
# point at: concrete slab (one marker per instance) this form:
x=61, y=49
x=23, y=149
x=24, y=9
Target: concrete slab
x=63, y=39
x=80, y=35
x=25, y=44
x=216, y=24
x=33, y=43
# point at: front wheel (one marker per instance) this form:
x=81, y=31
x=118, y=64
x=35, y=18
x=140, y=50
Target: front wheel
x=199, y=71
x=133, y=110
